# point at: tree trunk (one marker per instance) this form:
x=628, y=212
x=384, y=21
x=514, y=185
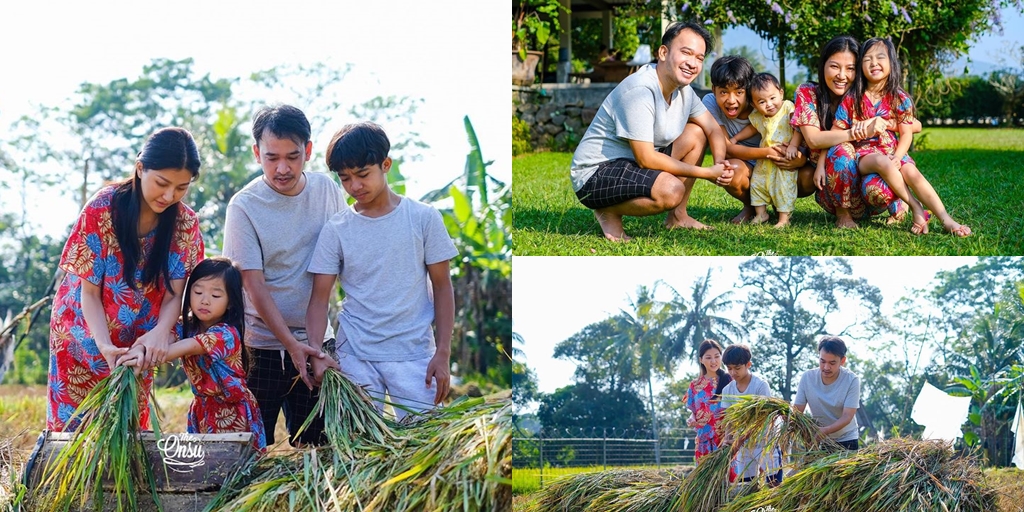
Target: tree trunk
x=782, y=64
x=654, y=422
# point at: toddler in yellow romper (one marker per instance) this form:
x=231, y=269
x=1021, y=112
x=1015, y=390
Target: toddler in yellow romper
x=769, y=184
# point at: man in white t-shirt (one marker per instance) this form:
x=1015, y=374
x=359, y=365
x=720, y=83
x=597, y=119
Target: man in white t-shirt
x=271, y=228
x=641, y=154
x=833, y=394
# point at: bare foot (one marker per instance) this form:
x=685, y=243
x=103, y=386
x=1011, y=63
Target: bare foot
x=920, y=225
x=687, y=222
x=846, y=223
x=759, y=219
x=956, y=229
x=745, y=214
x=782, y=224
x=611, y=225
x=901, y=214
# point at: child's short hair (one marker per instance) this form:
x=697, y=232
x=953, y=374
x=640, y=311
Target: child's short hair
x=736, y=354
x=732, y=70
x=832, y=345
x=356, y=146
x=284, y=121
x=761, y=81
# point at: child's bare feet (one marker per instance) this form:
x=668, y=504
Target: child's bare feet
x=611, y=225
x=760, y=218
x=956, y=229
x=745, y=214
x=782, y=224
x=783, y=220
x=920, y=225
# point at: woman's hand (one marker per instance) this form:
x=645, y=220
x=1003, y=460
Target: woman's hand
x=134, y=358
x=111, y=353
x=156, y=343
x=819, y=176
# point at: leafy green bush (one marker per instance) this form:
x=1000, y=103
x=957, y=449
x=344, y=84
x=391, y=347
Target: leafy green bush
x=959, y=98
x=520, y=137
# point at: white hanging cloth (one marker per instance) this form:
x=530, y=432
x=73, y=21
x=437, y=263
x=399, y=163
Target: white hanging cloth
x=941, y=415
x=1018, y=440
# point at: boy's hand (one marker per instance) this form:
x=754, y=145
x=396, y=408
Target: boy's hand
x=438, y=369
x=300, y=353
x=320, y=365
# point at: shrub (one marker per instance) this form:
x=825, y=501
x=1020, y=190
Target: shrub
x=964, y=97
x=520, y=137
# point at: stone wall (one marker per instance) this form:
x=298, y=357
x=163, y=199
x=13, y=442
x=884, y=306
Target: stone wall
x=558, y=114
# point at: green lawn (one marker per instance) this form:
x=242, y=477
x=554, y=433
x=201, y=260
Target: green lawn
x=978, y=173
x=528, y=480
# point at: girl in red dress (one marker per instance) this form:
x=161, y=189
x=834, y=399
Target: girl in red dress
x=126, y=261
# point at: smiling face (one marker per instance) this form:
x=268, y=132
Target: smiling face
x=876, y=65
x=282, y=161
x=731, y=99
x=711, y=360
x=840, y=71
x=208, y=300
x=683, y=59
x=162, y=188
x=767, y=101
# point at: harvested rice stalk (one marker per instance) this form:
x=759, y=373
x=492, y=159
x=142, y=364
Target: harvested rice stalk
x=583, y=492
x=12, y=491
x=107, y=444
x=896, y=475
x=773, y=423
x=353, y=418
x=652, y=495
x=707, y=487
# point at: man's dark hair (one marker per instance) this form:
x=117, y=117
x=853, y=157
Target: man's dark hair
x=736, y=354
x=732, y=70
x=674, y=29
x=283, y=121
x=761, y=81
x=832, y=345
x=356, y=146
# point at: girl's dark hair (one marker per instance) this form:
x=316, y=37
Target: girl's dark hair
x=234, y=315
x=723, y=380
x=826, y=104
x=167, y=148
x=761, y=81
x=891, y=90
x=704, y=347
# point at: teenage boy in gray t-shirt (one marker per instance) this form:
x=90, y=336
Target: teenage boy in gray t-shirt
x=730, y=105
x=392, y=254
x=833, y=394
x=271, y=227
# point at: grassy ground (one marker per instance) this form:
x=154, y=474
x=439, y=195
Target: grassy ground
x=528, y=480
x=1008, y=483
x=975, y=171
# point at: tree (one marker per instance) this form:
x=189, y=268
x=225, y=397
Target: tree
x=583, y=405
x=700, y=321
x=791, y=304
x=524, y=380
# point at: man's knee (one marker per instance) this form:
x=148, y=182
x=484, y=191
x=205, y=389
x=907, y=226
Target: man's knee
x=690, y=146
x=668, y=191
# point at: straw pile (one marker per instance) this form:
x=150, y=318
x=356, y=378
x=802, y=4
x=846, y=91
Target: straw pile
x=11, y=490
x=453, y=458
x=107, y=445
x=615, y=490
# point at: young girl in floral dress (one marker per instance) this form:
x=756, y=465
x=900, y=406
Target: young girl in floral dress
x=878, y=94
x=702, y=399
x=210, y=344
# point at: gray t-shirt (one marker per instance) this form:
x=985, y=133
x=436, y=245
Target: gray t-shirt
x=732, y=126
x=752, y=459
x=635, y=110
x=382, y=261
x=275, y=233
x=828, y=401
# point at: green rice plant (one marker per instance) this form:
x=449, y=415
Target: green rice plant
x=707, y=487
x=582, y=492
x=106, y=445
x=350, y=417
x=896, y=475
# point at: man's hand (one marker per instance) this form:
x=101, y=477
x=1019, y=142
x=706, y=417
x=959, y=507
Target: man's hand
x=725, y=171
x=300, y=354
x=438, y=369
x=157, y=343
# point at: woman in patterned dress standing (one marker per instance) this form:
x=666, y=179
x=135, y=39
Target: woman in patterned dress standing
x=702, y=398
x=126, y=262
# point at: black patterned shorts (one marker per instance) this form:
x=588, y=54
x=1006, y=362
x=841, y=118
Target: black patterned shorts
x=618, y=181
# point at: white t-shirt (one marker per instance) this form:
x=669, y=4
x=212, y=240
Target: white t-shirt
x=382, y=261
x=635, y=110
x=752, y=460
x=269, y=231
x=828, y=401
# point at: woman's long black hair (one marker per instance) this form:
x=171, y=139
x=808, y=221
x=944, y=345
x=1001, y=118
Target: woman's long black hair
x=168, y=148
x=234, y=315
x=723, y=377
x=891, y=91
x=826, y=104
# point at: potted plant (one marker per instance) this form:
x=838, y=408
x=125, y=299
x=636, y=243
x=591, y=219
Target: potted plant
x=534, y=22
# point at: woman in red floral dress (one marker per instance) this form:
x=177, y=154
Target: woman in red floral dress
x=126, y=261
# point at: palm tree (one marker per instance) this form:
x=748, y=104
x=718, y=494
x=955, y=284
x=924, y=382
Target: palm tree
x=700, y=321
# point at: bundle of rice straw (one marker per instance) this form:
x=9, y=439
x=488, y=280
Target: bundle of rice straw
x=11, y=490
x=615, y=490
x=107, y=444
x=896, y=475
x=453, y=458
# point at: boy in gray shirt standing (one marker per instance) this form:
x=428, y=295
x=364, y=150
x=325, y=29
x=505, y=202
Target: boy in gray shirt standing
x=833, y=393
x=392, y=254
